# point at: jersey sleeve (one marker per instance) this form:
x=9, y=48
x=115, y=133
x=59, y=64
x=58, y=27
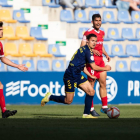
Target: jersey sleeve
x=1, y=50
x=89, y=56
x=85, y=36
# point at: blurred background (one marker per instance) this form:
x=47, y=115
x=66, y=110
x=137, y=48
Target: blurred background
x=44, y=34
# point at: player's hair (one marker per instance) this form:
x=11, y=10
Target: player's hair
x=96, y=16
x=91, y=35
x=1, y=23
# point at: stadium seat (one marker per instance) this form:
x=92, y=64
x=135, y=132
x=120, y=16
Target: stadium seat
x=138, y=33
x=123, y=16
x=117, y=50
x=5, y=16
x=105, y=38
x=66, y=15
x=13, y=69
x=50, y=3
x=92, y=3
x=127, y=33
x=132, y=50
x=135, y=66
x=135, y=15
x=19, y=16
x=80, y=15
x=121, y=66
x=25, y=49
x=22, y=32
x=8, y=32
x=40, y=49
x=2, y=68
x=4, y=3
x=107, y=3
x=29, y=64
x=37, y=33
x=108, y=16
x=43, y=65
x=11, y=49
x=58, y=65
x=91, y=13
x=81, y=32
x=55, y=50
x=107, y=50
x=113, y=33
x=68, y=61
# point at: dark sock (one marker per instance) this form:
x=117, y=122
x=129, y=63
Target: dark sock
x=58, y=99
x=88, y=102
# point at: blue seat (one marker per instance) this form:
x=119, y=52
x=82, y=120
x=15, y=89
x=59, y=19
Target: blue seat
x=66, y=15
x=19, y=15
x=117, y=50
x=107, y=3
x=135, y=66
x=50, y=3
x=43, y=65
x=80, y=15
x=29, y=64
x=2, y=68
x=58, y=65
x=121, y=66
x=105, y=38
x=4, y=3
x=108, y=16
x=55, y=50
x=92, y=3
x=113, y=33
x=127, y=33
x=135, y=15
x=81, y=32
x=13, y=69
x=138, y=33
x=37, y=33
x=132, y=50
x=123, y=16
x=68, y=61
x=107, y=50
x=91, y=13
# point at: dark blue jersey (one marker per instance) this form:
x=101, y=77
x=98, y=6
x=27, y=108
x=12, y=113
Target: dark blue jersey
x=79, y=60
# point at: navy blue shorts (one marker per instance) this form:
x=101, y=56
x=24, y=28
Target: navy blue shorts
x=70, y=85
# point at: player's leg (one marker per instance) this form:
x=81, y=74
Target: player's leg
x=5, y=113
x=103, y=91
x=87, y=88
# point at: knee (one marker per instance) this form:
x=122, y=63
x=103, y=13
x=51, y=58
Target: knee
x=92, y=92
x=1, y=85
x=68, y=101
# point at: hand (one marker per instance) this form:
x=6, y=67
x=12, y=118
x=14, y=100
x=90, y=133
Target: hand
x=97, y=53
x=108, y=58
x=107, y=68
x=22, y=67
x=93, y=77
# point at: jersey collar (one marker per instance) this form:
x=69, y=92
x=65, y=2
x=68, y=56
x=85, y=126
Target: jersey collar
x=96, y=31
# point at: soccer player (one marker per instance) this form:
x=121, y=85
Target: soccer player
x=98, y=51
x=6, y=113
x=73, y=78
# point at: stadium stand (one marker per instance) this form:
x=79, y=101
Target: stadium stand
x=138, y=33
x=135, y=66
x=81, y=32
x=29, y=64
x=12, y=69
x=121, y=65
x=135, y=16
x=43, y=65
x=58, y=65
x=2, y=67
x=92, y=3
x=4, y=3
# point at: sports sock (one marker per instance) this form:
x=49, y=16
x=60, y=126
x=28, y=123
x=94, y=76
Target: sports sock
x=2, y=101
x=58, y=99
x=104, y=102
x=92, y=106
x=88, y=102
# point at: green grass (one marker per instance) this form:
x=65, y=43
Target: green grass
x=65, y=123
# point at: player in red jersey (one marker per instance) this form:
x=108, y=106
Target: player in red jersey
x=98, y=51
x=6, y=113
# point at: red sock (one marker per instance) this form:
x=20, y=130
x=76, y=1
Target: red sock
x=92, y=104
x=2, y=101
x=104, y=102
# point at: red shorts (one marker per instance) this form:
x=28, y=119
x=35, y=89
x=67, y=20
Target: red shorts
x=95, y=73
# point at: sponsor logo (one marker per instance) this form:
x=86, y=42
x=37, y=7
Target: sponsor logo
x=111, y=87
x=92, y=58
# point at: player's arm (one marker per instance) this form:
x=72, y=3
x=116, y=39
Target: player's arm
x=10, y=63
x=105, y=53
x=97, y=68
x=88, y=74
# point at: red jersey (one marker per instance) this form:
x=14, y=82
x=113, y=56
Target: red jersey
x=1, y=50
x=100, y=38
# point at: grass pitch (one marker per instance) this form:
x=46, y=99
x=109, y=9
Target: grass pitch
x=54, y=122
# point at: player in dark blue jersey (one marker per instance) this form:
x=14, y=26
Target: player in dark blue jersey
x=73, y=78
